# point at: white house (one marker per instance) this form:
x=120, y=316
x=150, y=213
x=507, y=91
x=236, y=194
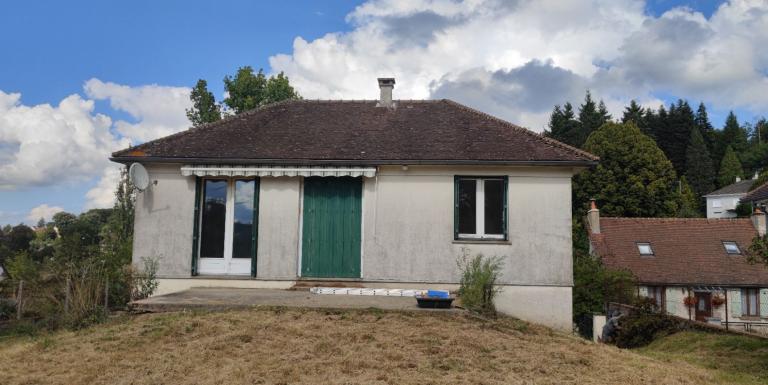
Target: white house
x=722, y=202
x=386, y=193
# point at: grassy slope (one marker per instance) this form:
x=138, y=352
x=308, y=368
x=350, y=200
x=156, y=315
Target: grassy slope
x=734, y=359
x=330, y=347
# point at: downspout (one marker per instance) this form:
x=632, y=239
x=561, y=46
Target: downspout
x=689, y=307
x=726, y=308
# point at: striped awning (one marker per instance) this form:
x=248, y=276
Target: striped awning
x=234, y=170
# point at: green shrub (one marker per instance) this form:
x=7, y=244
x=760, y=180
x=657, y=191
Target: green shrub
x=478, y=279
x=145, y=282
x=7, y=309
x=644, y=326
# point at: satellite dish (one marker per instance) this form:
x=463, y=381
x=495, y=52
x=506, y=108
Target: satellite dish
x=138, y=176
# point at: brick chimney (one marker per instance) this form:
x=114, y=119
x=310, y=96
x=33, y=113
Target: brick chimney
x=385, y=95
x=758, y=220
x=593, y=218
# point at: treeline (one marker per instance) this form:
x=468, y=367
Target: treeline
x=708, y=158
x=245, y=90
x=653, y=163
x=72, y=270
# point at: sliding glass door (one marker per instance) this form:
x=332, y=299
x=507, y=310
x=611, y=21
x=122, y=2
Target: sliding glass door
x=227, y=226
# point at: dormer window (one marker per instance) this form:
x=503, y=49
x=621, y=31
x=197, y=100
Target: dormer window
x=731, y=247
x=644, y=248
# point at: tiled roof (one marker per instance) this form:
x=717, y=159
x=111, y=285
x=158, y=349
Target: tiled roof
x=686, y=251
x=741, y=187
x=758, y=194
x=358, y=132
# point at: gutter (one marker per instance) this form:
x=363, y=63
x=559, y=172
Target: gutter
x=731, y=285
x=151, y=159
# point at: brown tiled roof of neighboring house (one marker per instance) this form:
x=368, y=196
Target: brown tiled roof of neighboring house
x=756, y=195
x=685, y=251
x=359, y=132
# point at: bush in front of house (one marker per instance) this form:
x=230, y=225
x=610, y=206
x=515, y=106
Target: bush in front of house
x=644, y=325
x=479, y=275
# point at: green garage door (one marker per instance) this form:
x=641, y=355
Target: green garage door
x=331, y=229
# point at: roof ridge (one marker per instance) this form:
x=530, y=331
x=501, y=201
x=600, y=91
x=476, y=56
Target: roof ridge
x=542, y=137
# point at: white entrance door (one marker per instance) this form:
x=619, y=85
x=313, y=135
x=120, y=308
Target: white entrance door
x=227, y=226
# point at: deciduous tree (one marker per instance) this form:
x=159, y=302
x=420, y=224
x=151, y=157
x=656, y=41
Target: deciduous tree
x=633, y=178
x=204, y=108
x=248, y=90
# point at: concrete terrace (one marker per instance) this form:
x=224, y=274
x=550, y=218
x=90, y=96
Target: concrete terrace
x=231, y=298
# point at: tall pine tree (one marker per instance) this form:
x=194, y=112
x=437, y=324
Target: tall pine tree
x=563, y=125
x=730, y=168
x=634, y=113
x=701, y=120
x=204, y=108
x=591, y=117
x=657, y=123
x=733, y=134
x=672, y=136
x=699, y=171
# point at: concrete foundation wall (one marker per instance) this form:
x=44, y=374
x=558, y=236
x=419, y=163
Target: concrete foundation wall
x=547, y=305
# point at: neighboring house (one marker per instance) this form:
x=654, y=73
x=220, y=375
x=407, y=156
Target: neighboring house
x=757, y=197
x=722, y=203
x=387, y=193
x=673, y=258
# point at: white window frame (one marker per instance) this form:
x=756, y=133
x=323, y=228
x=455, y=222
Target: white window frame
x=717, y=203
x=726, y=244
x=228, y=265
x=640, y=246
x=480, y=210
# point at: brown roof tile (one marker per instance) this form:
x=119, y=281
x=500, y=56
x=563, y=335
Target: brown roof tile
x=758, y=194
x=686, y=251
x=358, y=132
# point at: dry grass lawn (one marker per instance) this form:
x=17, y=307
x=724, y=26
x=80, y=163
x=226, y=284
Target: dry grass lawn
x=282, y=346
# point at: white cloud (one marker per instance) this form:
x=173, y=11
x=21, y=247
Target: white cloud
x=501, y=56
x=159, y=110
x=65, y=144
x=43, y=211
x=46, y=145
x=103, y=194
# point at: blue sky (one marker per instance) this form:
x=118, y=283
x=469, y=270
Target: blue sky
x=52, y=48
x=56, y=46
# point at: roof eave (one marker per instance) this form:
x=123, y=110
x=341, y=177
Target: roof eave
x=374, y=162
